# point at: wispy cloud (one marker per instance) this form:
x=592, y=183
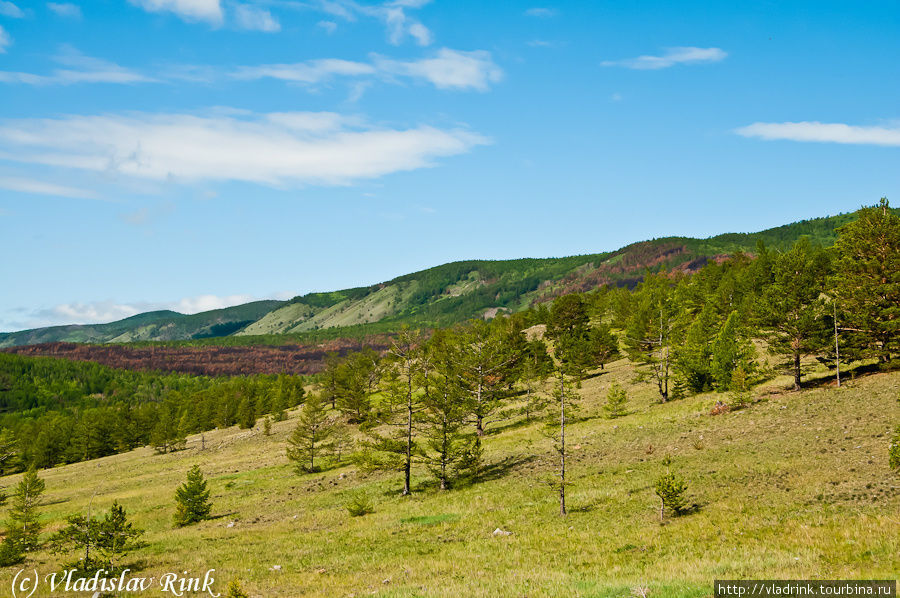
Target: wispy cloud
x=329, y=26
x=448, y=69
x=8, y=9
x=65, y=9
x=541, y=12
x=671, y=57
x=101, y=312
x=311, y=71
x=23, y=185
x=823, y=133
x=445, y=69
x=79, y=69
x=5, y=40
x=279, y=149
x=393, y=14
x=209, y=11
x=254, y=18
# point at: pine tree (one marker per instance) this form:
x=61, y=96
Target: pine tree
x=537, y=366
x=616, y=399
x=791, y=309
x=24, y=522
x=166, y=435
x=651, y=327
x=116, y=536
x=671, y=488
x=311, y=436
x=355, y=381
x=103, y=541
x=9, y=450
x=192, y=503
x=444, y=417
x=246, y=414
x=739, y=388
x=267, y=425
x=731, y=350
x=403, y=390
x=867, y=282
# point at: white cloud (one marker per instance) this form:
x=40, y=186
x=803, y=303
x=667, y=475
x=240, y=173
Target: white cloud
x=824, y=133
x=421, y=33
x=81, y=69
x=209, y=11
x=64, y=9
x=449, y=69
x=393, y=15
x=254, y=18
x=43, y=188
x=311, y=72
x=8, y=9
x=329, y=26
x=671, y=57
x=5, y=40
x=101, y=312
x=193, y=305
x=541, y=13
x=276, y=149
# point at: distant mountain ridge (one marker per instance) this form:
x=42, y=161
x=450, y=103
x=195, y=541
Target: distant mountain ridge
x=437, y=296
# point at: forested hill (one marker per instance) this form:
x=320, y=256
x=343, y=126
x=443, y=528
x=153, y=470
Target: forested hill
x=438, y=296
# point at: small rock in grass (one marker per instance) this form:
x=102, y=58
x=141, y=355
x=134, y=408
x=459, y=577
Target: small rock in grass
x=500, y=532
x=230, y=524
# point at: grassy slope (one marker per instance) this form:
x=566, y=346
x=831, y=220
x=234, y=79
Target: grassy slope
x=796, y=486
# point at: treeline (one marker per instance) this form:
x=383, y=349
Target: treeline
x=429, y=400
x=54, y=411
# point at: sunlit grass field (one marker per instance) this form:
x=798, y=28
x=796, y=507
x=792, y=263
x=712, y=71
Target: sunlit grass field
x=795, y=486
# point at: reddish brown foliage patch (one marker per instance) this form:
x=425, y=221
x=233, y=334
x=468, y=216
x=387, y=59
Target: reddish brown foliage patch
x=208, y=361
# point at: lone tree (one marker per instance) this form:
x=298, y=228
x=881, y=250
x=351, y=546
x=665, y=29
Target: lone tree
x=670, y=488
x=192, y=499
x=311, y=436
x=616, y=399
x=24, y=522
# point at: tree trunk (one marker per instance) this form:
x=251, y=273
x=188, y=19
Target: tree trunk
x=407, y=467
x=562, y=445
x=479, y=418
x=837, y=348
x=796, y=370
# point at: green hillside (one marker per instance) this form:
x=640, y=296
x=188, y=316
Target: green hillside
x=437, y=296
x=155, y=325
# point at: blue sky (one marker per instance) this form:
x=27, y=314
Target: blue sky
x=192, y=154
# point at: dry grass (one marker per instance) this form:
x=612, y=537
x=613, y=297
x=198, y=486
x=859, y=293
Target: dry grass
x=796, y=486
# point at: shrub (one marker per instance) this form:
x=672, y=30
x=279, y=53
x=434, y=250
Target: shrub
x=894, y=450
x=615, y=401
x=359, y=505
x=235, y=590
x=10, y=552
x=671, y=488
x=739, y=389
